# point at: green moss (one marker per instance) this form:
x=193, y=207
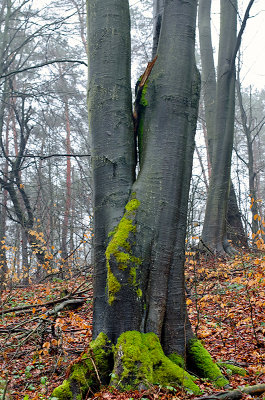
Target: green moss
x=133, y=276
x=233, y=369
x=200, y=361
x=143, y=100
x=102, y=350
x=177, y=359
x=140, y=361
x=113, y=285
x=119, y=250
x=133, y=205
x=80, y=378
x=63, y=392
x=83, y=375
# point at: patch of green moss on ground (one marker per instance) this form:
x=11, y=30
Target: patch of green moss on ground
x=119, y=248
x=140, y=361
x=200, y=361
x=233, y=369
x=83, y=375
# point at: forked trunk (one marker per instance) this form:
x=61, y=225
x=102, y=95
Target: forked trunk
x=143, y=265
x=140, y=224
x=214, y=234
x=235, y=230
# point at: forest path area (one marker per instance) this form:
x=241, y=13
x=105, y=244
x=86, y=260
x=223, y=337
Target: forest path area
x=45, y=328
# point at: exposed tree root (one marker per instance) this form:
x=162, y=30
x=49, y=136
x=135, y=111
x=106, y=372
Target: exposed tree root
x=221, y=249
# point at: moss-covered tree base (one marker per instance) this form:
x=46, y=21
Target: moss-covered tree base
x=90, y=373
x=140, y=361
x=136, y=362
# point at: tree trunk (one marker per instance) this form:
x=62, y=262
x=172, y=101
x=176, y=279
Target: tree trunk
x=65, y=227
x=139, y=250
x=113, y=143
x=247, y=129
x=235, y=230
x=164, y=145
x=214, y=234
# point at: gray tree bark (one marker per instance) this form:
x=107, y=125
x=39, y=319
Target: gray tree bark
x=113, y=143
x=145, y=265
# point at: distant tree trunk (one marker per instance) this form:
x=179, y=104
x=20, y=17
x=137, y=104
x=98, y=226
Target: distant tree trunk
x=65, y=227
x=3, y=208
x=248, y=128
x=3, y=260
x=235, y=230
x=25, y=257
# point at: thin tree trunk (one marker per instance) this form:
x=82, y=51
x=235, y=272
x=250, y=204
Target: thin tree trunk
x=65, y=226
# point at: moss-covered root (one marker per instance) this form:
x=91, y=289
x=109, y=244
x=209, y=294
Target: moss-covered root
x=96, y=362
x=200, y=362
x=232, y=369
x=140, y=361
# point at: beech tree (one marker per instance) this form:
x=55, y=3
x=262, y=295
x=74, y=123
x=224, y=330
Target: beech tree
x=252, y=122
x=235, y=229
x=140, y=218
x=221, y=128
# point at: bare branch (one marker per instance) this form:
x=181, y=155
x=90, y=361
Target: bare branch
x=19, y=71
x=240, y=34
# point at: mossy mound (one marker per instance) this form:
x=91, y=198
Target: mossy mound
x=140, y=361
x=89, y=373
x=200, y=362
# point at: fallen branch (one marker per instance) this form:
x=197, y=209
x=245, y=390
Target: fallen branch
x=48, y=303
x=255, y=390
x=73, y=303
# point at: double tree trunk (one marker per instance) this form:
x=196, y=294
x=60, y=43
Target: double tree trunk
x=229, y=221
x=139, y=250
x=214, y=234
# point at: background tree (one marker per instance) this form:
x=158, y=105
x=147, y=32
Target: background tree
x=235, y=228
x=214, y=234
x=252, y=124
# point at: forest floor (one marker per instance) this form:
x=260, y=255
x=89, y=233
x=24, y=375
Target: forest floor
x=226, y=301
